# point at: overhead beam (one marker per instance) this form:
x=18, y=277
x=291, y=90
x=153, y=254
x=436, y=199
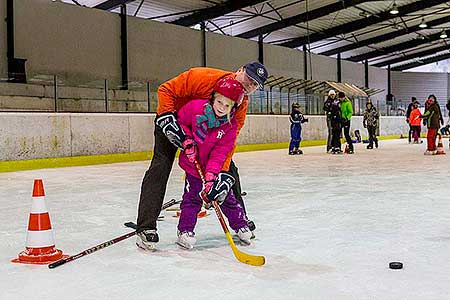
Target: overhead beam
x=394, y=48
x=112, y=4
x=361, y=23
x=423, y=62
x=307, y=16
x=384, y=37
x=214, y=12
x=412, y=56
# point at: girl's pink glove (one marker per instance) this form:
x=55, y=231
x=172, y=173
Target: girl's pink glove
x=209, y=181
x=190, y=149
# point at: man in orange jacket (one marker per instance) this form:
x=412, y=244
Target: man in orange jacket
x=196, y=83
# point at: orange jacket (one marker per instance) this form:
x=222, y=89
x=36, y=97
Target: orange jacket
x=196, y=83
x=414, y=117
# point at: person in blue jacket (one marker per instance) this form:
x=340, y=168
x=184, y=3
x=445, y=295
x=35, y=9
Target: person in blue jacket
x=296, y=119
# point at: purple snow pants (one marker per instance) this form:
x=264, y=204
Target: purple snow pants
x=192, y=203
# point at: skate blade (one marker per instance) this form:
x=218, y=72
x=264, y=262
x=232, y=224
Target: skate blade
x=149, y=248
x=244, y=243
x=184, y=246
x=236, y=239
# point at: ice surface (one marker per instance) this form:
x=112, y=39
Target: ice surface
x=328, y=225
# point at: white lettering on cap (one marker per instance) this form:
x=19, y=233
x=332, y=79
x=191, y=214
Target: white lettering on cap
x=260, y=71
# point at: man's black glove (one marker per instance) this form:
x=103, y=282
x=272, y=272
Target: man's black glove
x=170, y=127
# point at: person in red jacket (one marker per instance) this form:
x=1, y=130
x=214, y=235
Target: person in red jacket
x=196, y=83
x=414, y=121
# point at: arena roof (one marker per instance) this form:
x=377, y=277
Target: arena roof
x=359, y=30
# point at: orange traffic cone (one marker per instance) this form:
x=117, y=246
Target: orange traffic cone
x=346, y=148
x=440, y=146
x=40, y=247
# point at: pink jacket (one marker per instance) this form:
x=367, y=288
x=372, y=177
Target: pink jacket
x=219, y=141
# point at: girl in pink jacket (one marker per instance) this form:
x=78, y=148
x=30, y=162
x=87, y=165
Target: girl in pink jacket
x=211, y=133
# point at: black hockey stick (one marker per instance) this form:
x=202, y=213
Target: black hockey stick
x=91, y=250
x=105, y=244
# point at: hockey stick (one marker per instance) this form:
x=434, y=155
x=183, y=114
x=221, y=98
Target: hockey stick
x=91, y=250
x=254, y=260
x=105, y=244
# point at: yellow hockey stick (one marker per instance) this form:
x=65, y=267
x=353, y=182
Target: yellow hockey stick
x=254, y=260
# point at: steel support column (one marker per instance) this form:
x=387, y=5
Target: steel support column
x=260, y=49
x=305, y=63
x=124, y=46
x=389, y=79
x=10, y=29
x=339, y=68
x=366, y=73
x=203, y=29
x=16, y=66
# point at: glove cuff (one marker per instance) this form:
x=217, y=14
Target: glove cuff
x=209, y=177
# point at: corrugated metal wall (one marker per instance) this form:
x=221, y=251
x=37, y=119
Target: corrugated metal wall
x=420, y=85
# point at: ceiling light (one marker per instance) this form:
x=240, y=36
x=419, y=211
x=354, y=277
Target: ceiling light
x=443, y=35
x=423, y=24
x=394, y=9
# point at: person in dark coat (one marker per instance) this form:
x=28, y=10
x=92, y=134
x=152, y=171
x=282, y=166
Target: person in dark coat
x=433, y=119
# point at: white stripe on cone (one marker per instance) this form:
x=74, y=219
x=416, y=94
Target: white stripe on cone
x=38, y=239
x=38, y=205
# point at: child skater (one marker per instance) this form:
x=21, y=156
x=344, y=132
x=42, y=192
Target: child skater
x=414, y=121
x=211, y=134
x=370, y=121
x=296, y=119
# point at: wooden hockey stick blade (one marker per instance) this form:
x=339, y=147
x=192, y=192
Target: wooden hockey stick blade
x=245, y=258
x=254, y=260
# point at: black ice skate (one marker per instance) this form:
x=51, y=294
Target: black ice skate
x=147, y=239
x=252, y=227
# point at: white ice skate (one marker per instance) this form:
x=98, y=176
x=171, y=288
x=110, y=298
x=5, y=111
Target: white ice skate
x=244, y=235
x=186, y=240
x=147, y=239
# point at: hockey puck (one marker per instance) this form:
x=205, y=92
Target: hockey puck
x=396, y=265
x=244, y=194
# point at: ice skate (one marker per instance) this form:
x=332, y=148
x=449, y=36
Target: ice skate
x=252, y=227
x=147, y=239
x=186, y=240
x=293, y=151
x=369, y=146
x=298, y=152
x=376, y=144
x=244, y=235
x=336, y=151
x=429, y=152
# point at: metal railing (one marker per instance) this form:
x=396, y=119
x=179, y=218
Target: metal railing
x=49, y=93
